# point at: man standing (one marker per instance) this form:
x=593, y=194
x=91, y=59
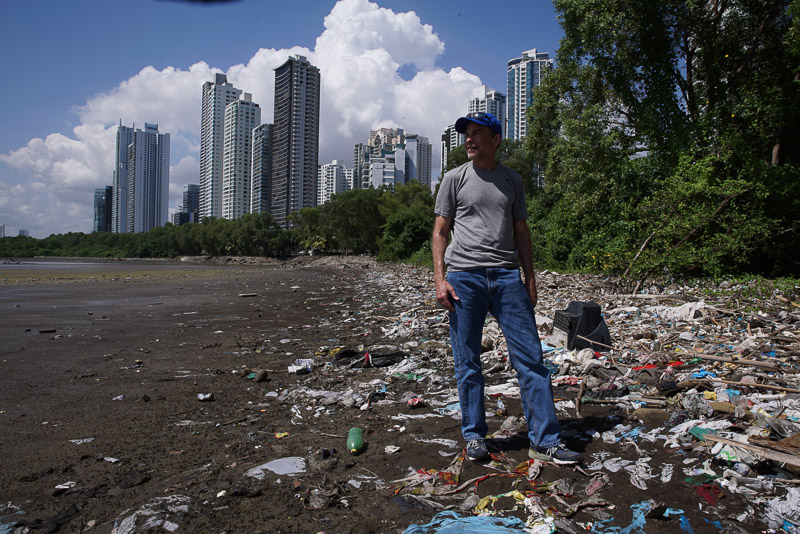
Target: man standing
x=483, y=204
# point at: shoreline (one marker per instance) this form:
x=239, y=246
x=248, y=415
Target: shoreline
x=56, y=269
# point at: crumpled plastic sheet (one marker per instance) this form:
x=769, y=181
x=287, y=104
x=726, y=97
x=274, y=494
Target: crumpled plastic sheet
x=159, y=512
x=449, y=522
x=784, y=512
x=691, y=311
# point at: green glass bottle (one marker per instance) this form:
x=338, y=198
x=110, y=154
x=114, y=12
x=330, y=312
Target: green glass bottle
x=355, y=440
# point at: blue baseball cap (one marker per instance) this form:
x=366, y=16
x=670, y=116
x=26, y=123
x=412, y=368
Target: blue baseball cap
x=486, y=119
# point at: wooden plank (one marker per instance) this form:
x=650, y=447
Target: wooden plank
x=775, y=456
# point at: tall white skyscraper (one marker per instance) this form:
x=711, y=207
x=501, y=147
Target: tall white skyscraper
x=241, y=117
x=331, y=181
x=119, y=182
x=490, y=101
x=148, y=179
x=261, y=173
x=524, y=74
x=295, y=138
x=216, y=96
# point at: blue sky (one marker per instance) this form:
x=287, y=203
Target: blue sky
x=73, y=69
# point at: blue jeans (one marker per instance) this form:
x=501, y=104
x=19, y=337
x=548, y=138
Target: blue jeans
x=501, y=292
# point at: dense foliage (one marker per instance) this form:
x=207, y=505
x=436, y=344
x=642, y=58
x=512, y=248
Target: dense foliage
x=252, y=235
x=392, y=223
x=669, y=138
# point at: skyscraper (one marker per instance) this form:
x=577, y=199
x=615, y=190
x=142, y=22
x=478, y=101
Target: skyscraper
x=191, y=202
x=386, y=157
x=418, y=159
x=119, y=182
x=103, y=205
x=450, y=139
x=295, y=138
x=141, y=179
x=385, y=137
x=216, y=96
x=187, y=213
x=392, y=157
x=388, y=168
x=490, y=101
x=360, y=166
x=241, y=117
x=524, y=74
x=261, y=172
x=148, y=179
x=332, y=180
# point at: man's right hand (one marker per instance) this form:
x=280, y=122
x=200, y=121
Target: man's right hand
x=444, y=294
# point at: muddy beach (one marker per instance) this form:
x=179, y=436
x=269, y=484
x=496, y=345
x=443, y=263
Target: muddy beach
x=156, y=396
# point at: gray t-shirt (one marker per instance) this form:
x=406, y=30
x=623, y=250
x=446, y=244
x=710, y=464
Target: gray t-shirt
x=483, y=205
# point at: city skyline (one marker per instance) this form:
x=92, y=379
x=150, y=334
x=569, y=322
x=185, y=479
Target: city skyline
x=414, y=66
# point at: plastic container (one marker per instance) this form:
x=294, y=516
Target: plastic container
x=355, y=440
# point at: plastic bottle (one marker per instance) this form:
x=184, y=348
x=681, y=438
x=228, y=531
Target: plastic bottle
x=355, y=440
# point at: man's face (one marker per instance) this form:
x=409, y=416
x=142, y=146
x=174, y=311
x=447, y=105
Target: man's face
x=481, y=143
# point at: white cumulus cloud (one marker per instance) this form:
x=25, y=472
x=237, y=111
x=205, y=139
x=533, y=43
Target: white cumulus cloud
x=359, y=54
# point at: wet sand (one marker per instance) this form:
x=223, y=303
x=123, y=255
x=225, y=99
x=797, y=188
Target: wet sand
x=101, y=367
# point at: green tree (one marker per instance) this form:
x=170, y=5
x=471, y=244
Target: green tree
x=664, y=125
x=456, y=158
x=354, y=220
x=257, y=234
x=404, y=196
x=308, y=229
x=405, y=231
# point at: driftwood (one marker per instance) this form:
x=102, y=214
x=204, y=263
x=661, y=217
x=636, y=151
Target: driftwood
x=742, y=384
x=776, y=456
x=733, y=360
x=775, y=445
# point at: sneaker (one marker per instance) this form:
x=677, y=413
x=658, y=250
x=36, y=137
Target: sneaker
x=558, y=454
x=477, y=450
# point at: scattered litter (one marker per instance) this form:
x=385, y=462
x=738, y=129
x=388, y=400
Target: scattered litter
x=667, y=388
